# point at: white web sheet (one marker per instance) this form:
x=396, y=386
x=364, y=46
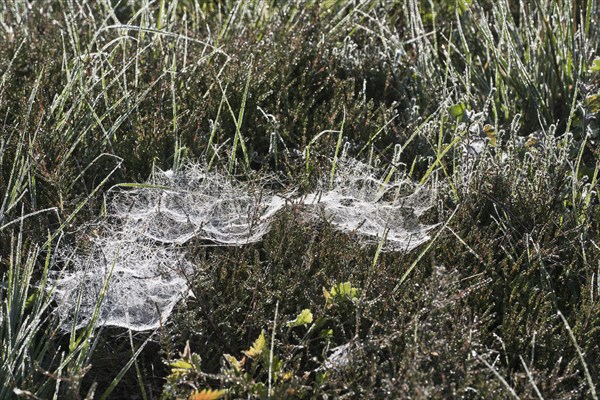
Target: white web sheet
x=141, y=250
x=146, y=281
x=360, y=202
x=205, y=205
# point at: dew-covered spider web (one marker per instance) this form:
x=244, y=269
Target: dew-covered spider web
x=194, y=203
x=145, y=282
x=379, y=209
x=140, y=247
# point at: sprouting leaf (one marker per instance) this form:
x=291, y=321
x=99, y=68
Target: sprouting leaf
x=257, y=348
x=196, y=361
x=234, y=362
x=593, y=103
x=490, y=132
x=181, y=366
x=329, y=4
x=344, y=291
x=531, y=141
x=327, y=296
x=187, y=351
x=595, y=67
x=463, y=5
x=458, y=110
x=321, y=377
x=326, y=333
x=277, y=363
x=305, y=317
x=31, y=300
x=259, y=389
x=208, y=394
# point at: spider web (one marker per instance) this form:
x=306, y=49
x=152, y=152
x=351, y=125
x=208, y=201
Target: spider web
x=141, y=250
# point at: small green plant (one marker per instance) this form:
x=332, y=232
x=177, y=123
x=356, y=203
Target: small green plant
x=304, y=318
x=182, y=381
x=340, y=292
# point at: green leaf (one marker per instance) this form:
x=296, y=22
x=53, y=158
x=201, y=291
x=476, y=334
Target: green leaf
x=234, y=362
x=463, y=5
x=181, y=365
x=208, y=394
x=31, y=300
x=330, y=4
x=326, y=333
x=259, y=389
x=257, y=348
x=327, y=296
x=344, y=291
x=595, y=67
x=490, y=132
x=304, y=318
x=593, y=103
x=458, y=110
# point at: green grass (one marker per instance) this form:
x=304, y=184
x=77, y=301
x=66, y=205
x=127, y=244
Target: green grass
x=502, y=302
